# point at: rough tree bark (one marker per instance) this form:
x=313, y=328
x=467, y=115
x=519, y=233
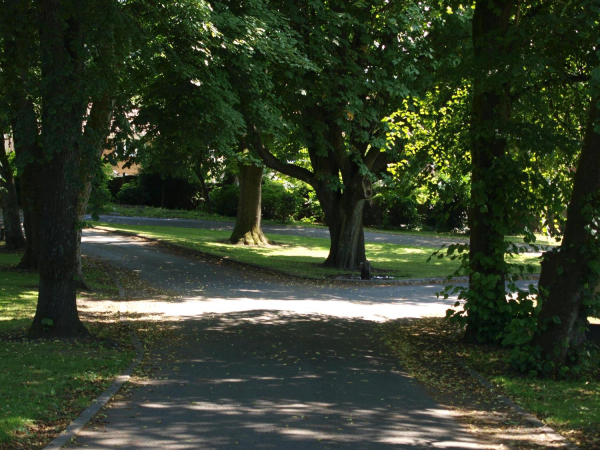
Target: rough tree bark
x=247, y=230
x=10, y=206
x=343, y=216
x=342, y=207
x=490, y=112
x=61, y=48
x=567, y=289
x=28, y=151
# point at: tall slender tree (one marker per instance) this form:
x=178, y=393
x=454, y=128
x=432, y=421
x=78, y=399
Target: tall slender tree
x=20, y=66
x=8, y=201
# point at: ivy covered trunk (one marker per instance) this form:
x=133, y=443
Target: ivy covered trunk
x=486, y=299
x=56, y=313
x=247, y=230
x=63, y=107
x=575, y=275
x=10, y=206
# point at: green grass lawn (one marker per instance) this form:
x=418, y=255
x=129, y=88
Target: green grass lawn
x=303, y=256
x=18, y=294
x=162, y=213
x=46, y=384
x=563, y=404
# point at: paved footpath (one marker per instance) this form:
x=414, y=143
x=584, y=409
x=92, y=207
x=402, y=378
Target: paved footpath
x=264, y=362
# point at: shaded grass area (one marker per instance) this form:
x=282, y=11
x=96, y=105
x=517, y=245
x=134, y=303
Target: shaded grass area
x=303, y=256
x=18, y=294
x=563, y=404
x=434, y=352
x=163, y=213
x=46, y=384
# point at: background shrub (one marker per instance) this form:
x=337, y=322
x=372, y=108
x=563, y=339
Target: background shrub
x=133, y=194
x=392, y=211
x=154, y=189
x=225, y=200
x=279, y=203
x=100, y=196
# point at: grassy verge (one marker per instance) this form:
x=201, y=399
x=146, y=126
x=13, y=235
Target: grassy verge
x=46, y=384
x=303, y=256
x=433, y=350
x=162, y=213
x=567, y=405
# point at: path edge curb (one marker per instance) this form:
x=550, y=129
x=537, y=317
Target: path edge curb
x=530, y=418
x=404, y=282
x=75, y=427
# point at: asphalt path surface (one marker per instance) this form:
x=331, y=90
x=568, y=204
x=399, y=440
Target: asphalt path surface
x=265, y=362
x=370, y=236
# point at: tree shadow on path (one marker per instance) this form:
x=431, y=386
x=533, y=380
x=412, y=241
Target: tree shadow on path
x=271, y=379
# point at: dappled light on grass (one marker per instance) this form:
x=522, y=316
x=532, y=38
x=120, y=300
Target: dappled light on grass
x=51, y=381
x=45, y=384
x=18, y=295
x=563, y=404
x=303, y=255
x=299, y=255
x=16, y=305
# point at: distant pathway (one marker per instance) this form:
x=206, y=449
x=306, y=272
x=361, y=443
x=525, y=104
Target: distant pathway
x=293, y=230
x=265, y=362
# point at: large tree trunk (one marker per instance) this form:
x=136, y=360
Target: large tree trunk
x=62, y=110
x=487, y=213
x=10, y=206
x=343, y=216
x=247, y=229
x=567, y=287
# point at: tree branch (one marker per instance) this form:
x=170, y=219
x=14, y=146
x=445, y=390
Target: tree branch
x=371, y=157
x=272, y=162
